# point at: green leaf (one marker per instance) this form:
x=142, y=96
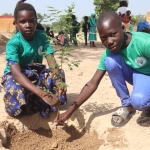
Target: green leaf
x=58, y=11
x=62, y=23
x=50, y=7
x=52, y=19
x=66, y=58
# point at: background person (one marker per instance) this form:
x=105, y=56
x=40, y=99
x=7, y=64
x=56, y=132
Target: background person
x=143, y=26
x=92, y=32
x=75, y=29
x=131, y=27
x=124, y=14
x=85, y=28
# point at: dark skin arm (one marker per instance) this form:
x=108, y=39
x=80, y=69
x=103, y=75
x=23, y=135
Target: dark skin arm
x=20, y=78
x=26, y=83
x=85, y=93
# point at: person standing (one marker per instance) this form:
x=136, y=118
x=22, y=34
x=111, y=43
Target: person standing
x=92, y=33
x=85, y=28
x=75, y=29
x=49, y=32
x=125, y=14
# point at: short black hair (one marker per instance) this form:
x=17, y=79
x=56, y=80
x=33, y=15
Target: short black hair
x=86, y=18
x=24, y=6
x=109, y=15
x=123, y=3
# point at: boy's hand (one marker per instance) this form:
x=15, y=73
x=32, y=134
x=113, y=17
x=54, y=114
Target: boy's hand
x=62, y=118
x=50, y=99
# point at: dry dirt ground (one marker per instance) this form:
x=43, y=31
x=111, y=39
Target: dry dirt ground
x=89, y=128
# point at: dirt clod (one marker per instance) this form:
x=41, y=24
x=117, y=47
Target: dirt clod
x=55, y=145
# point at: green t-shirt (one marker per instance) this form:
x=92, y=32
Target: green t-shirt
x=136, y=55
x=24, y=52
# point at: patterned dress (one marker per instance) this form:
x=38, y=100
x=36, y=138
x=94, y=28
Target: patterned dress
x=17, y=96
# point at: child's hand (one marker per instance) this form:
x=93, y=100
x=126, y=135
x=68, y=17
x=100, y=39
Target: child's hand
x=62, y=118
x=50, y=99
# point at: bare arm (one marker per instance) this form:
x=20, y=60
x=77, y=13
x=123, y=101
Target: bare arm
x=23, y=80
x=26, y=83
x=85, y=93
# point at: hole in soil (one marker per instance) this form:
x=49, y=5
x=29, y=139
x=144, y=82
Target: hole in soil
x=66, y=138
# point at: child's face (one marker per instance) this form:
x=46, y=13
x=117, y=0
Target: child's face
x=111, y=34
x=26, y=23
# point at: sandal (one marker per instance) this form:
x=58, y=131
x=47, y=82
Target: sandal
x=124, y=113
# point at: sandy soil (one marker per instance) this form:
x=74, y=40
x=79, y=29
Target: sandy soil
x=89, y=127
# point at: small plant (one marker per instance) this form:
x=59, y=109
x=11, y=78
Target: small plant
x=62, y=23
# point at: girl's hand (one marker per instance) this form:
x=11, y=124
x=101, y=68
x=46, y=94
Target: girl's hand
x=62, y=118
x=50, y=99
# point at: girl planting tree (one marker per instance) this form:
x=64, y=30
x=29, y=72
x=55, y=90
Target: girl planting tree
x=25, y=73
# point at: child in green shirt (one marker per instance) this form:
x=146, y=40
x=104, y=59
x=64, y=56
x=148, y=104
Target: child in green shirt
x=25, y=73
x=126, y=59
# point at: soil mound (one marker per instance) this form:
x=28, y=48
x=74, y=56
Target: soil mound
x=66, y=138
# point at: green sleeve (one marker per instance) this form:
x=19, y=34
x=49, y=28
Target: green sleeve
x=12, y=50
x=147, y=49
x=47, y=48
x=101, y=65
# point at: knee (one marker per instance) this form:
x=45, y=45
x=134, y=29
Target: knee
x=139, y=101
x=111, y=62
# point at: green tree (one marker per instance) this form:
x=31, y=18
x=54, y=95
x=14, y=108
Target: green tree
x=137, y=18
x=40, y=17
x=62, y=23
x=7, y=14
x=105, y=5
